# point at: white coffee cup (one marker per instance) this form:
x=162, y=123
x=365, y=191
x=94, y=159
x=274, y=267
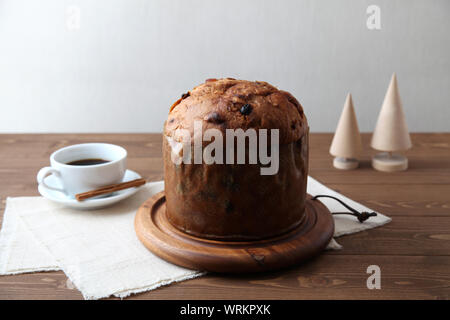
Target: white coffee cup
x=81, y=178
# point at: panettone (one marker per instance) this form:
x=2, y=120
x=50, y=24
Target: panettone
x=226, y=201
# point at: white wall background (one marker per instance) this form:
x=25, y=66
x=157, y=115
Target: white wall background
x=130, y=59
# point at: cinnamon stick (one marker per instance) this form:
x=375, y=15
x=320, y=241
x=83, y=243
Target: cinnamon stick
x=109, y=189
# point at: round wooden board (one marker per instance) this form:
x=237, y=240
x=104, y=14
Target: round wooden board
x=305, y=241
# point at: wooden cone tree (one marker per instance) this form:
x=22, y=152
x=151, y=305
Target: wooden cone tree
x=346, y=145
x=391, y=132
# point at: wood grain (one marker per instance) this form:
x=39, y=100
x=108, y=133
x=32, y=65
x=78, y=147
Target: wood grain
x=413, y=251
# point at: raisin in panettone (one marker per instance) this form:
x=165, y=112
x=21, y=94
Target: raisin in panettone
x=234, y=201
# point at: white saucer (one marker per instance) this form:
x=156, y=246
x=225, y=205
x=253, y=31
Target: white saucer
x=94, y=203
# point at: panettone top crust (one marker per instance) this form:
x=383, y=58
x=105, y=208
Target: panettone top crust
x=231, y=104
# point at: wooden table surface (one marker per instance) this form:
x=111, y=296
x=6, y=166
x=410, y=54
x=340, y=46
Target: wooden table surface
x=413, y=251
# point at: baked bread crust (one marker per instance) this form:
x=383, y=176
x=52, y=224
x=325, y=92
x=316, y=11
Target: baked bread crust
x=234, y=201
x=217, y=103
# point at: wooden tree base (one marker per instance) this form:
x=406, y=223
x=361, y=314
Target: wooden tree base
x=389, y=163
x=345, y=163
x=305, y=241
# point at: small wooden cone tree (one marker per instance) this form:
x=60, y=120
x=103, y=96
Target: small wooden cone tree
x=346, y=145
x=391, y=132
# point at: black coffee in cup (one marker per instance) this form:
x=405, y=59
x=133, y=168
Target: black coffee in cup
x=84, y=167
x=87, y=162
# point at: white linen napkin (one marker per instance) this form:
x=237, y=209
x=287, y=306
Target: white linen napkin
x=98, y=250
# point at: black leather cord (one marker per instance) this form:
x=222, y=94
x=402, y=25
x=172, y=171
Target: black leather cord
x=362, y=216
